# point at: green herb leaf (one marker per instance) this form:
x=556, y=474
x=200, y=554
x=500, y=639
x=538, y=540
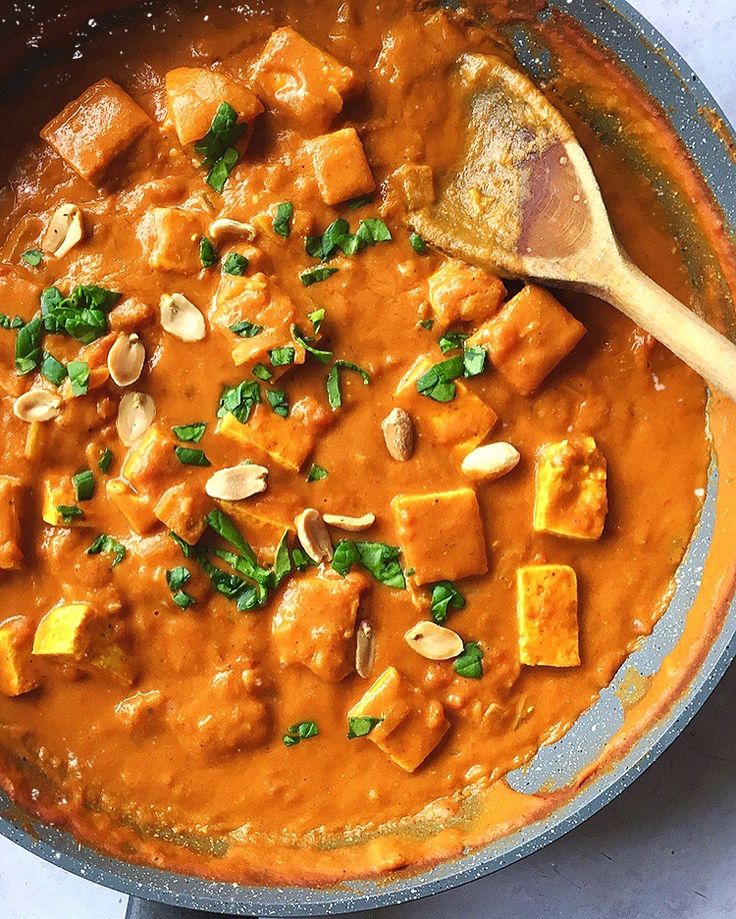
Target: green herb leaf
x=427, y=324
x=32, y=257
x=316, y=318
x=186, y=549
x=53, y=370
x=177, y=577
x=437, y=383
x=279, y=402
x=239, y=400
x=361, y=726
x=81, y=315
x=216, y=147
x=333, y=236
x=298, y=732
x=28, y=346
x=282, y=560
x=106, y=545
x=207, y=253
x=236, y=264
x=355, y=203
x=313, y=246
x=417, y=243
x=381, y=560
x=372, y=230
x=451, y=341
x=280, y=357
x=474, y=361
x=219, y=173
x=316, y=473
x=84, y=485
x=314, y=275
x=189, y=457
x=79, y=377
x=104, y=463
x=334, y=393
x=69, y=512
x=190, y=433
x=282, y=220
x=261, y=372
x=246, y=329
x=300, y=559
x=445, y=596
x=322, y=356
x=470, y=663
x=225, y=527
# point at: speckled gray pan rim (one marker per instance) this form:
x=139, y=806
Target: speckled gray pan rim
x=620, y=28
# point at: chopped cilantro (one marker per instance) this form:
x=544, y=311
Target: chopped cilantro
x=28, y=346
x=474, y=361
x=81, y=315
x=380, y=560
x=261, y=372
x=190, y=433
x=190, y=457
x=282, y=218
x=79, y=377
x=207, y=253
x=279, y=402
x=176, y=578
x=282, y=560
x=53, y=370
x=437, y=383
x=316, y=318
x=106, y=545
x=417, y=243
x=216, y=147
x=280, y=357
x=69, y=512
x=334, y=393
x=313, y=275
x=452, y=341
x=298, y=732
x=322, y=356
x=32, y=257
x=246, y=329
x=300, y=559
x=361, y=726
x=427, y=324
x=355, y=203
x=316, y=473
x=470, y=663
x=239, y=400
x=235, y=264
x=105, y=461
x=186, y=549
x=445, y=596
x=84, y=485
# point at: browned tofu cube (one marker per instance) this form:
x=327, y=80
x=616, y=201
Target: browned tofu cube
x=175, y=236
x=11, y=496
x=17, y=674
x=137, y=509
x=570, y=498
x=340, y=166
x=529, y=337
x=150, y=465
x=194, y=94
x=462, y=293
x=183, y=508
x=441, y=534
x=305, y=83
x=57, y=494
x=288, y=441
x=93, y=130
x=547, y=610
x=259, y=300
x=412, y=723
x=314, y=624
x=463, y=422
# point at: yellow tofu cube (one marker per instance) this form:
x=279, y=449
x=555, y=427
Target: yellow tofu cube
x=570, y=497
x=314, y=624
x=174, y=234
x=194, y=94
x=93, y=130
x=302, y=81
x=262, y=522
x=65, y=632
x=151, y=464
x=183, y=508
x=412, y=722
x=16, y=664
x=259, y=300
x=528, y=337
x=462, y=293
x=463, y=422
x=441, y=534
x=288, y=441
x=11, y=496
x=547, y=611
x=340, y=166
x=58, y=492
x=136, y=509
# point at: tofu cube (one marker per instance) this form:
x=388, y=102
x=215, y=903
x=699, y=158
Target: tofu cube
x=340, y=166
x=303, y=82
x=262, y=522
x=314, y=624
x=547, y=610
x=57, y=491
x=151, y=464
x=570, y=498
x=441, y=534
x=193, y=96
x=65, y=632
x=462, y=293
x=93, y=130
x=16, y=664
x=529, y=337
x=463, y=422
x=412, y=724
x=175, y=234
x=182, y=508
x=11, y=497
x=259, y=300
x=74, y=633
x=136, y=509
x=288, y=441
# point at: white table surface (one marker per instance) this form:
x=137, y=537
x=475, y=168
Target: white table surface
x=665, y=848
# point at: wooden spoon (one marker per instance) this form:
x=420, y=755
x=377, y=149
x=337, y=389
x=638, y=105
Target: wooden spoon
x=524, y=202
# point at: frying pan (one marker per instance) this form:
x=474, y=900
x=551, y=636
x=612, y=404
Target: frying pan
x=705, y=578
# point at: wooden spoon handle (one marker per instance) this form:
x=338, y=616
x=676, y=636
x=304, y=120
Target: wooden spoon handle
x=688, y=336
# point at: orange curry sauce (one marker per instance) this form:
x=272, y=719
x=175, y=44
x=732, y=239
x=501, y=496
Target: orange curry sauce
x=156, y=730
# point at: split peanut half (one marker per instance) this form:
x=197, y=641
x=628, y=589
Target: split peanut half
x=433, y=641
x=64, y=231
x=234, y=483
